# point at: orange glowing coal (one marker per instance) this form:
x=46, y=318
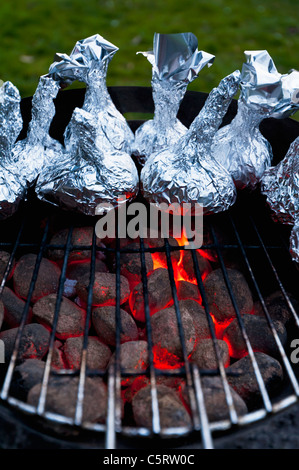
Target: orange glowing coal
x=163, y=359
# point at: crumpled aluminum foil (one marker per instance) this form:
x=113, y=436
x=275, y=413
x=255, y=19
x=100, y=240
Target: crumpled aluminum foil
x=12, y=191
x=88, y=63
x=176, y=62
x=280, y=184
x=85, y=174
x=187, y=172
x=38, y=149
x=240, y=147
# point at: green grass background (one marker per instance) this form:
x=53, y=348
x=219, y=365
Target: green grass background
x=32, y=31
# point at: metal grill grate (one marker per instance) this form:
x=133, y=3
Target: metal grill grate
x=282, y=278
x=262, y=248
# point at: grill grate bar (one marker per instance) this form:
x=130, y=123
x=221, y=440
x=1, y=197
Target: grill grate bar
x=228, y=395
x=154, y=393
x=196, y=421
x=83, y=365
x=114, y=372
x=259, y=378
x=12, y=256
x=46, y=376
x=285, y=360
x=110, y=441
x=10, y=370
x=117, y=338
x=287, y=299
x=205, y=427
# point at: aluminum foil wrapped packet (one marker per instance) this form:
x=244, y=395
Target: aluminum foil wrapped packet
x=280, y=184
x=12, y=191
x=176, y=62
x=88, y=63
x=86, y=174
x=38, y=149
x=187, y=172
x=240, y=147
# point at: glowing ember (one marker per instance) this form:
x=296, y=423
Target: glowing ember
x=163, y=359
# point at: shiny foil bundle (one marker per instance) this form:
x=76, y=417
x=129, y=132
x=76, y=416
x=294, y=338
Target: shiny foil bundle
x=88, y=63
x=176, y=62
x=240, y=147
x=187, y=172
x=86, y=173
x=12, y=191
x=280, y=184
x=38, y=149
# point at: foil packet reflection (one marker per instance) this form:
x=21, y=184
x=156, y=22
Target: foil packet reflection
x=187, y=172
x=280, y=184
x=88, y=63
x=240, y=147
x=86, y=175
x=12, y=191
x=38, y=149
x=176, y=62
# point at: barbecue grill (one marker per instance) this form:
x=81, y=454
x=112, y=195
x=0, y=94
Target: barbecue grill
x=245, y=232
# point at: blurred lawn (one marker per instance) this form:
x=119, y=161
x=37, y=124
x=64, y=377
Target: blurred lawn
x=32, y=31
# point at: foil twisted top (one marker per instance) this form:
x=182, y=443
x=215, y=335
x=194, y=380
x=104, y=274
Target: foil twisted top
x=280, y=185
x=240, y=147
x=266, y=90
x=31, y=154
x=12, y=191
x=86, y=175
x=187, y=172
x=176, y=61
x=176, y=58
x=88, y=63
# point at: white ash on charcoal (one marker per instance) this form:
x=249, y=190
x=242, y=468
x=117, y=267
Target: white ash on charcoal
x=104, y=289
x=199, y=318
x=166, y=338
x=133, y=357
x=58, y=359
x=174, y=383
x=27, y=375
x=187, y=268
x=98, y=354
x=104, y=322
x=204, y=355
x=62, y=397
x=47, y=278
x=244, y=380
x=186, y=290
x=131, y=267
x=277, y=307
x=13, y=308
x=71, y=318
x=159, y=294
x=34, y=343
x=259, y=334
x=215, y=399
x=1, y=313
x=80, y=236
x=78, y=269
x=4, y=260
x=218, y=297
x=172, y=412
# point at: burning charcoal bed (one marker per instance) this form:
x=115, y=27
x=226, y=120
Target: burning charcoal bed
x=109, y=342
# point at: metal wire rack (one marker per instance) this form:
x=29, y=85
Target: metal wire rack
x=281, y=274
x=260, y=245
